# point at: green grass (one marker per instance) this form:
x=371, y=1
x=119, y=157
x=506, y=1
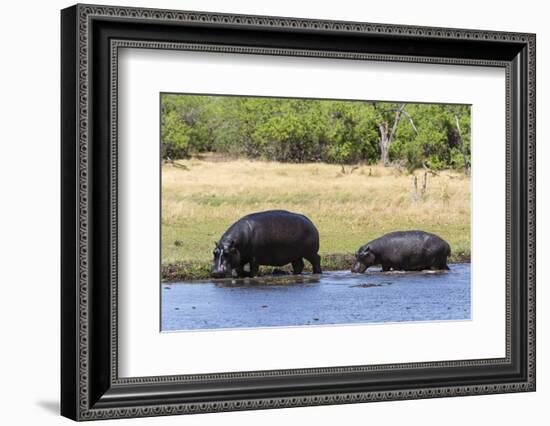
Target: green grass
x=201, y=200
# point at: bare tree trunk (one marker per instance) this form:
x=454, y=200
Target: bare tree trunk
x=384, y=143
x=424, y=185
x=415, y=189
x=387, y=136
x=396, y=121
x=462, y=149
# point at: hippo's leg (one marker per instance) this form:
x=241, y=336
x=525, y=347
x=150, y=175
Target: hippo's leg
x=297, y=266
x=385, y=267
x=440, y=263
x=250, y=271
x=315, y=261
x=443, y=264
x=254, y=268
x=241, y=272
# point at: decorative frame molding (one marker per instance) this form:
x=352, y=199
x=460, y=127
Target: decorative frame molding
x=91, y=388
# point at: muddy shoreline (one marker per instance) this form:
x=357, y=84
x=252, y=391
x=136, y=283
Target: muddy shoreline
x=200, y=270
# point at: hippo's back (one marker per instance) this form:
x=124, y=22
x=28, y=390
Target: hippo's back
x=415, y=235
x=281, y=231
x=281, y=225
x=412, y=241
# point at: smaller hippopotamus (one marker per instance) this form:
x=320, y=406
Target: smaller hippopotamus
x=403, y=251
x=273, y=238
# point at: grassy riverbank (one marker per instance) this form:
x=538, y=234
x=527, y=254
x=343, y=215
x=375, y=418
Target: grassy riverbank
x=199, y=270
x=201, y=198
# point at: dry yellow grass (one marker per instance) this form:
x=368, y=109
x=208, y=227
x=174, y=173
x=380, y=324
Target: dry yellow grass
x=200, y=199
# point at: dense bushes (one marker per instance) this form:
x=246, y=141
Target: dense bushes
x=303, y=130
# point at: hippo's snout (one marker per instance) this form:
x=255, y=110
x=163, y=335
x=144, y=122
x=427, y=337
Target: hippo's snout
x=218, y=273
x=358, y=267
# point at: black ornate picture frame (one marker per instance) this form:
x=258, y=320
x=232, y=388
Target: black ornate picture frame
x=91, y=387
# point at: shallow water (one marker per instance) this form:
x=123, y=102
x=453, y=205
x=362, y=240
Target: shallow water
x=335, y=297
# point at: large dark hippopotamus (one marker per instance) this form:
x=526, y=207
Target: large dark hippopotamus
x=274, y=238
x=405, y=251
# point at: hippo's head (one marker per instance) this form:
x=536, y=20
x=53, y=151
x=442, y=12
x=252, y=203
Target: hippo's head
x=226, y=258
x=363, y=259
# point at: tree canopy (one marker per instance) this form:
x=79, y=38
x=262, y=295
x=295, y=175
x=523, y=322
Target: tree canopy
x=305, y=130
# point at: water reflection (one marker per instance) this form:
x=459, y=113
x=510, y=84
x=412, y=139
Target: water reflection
x=334, y=297
x=267, y=280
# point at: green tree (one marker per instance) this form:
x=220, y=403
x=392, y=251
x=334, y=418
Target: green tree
x=301, y=130
x=175, y=136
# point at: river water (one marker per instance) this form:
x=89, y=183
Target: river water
x=335, y=297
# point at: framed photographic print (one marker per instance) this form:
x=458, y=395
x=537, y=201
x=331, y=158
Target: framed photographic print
x=263, y=212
